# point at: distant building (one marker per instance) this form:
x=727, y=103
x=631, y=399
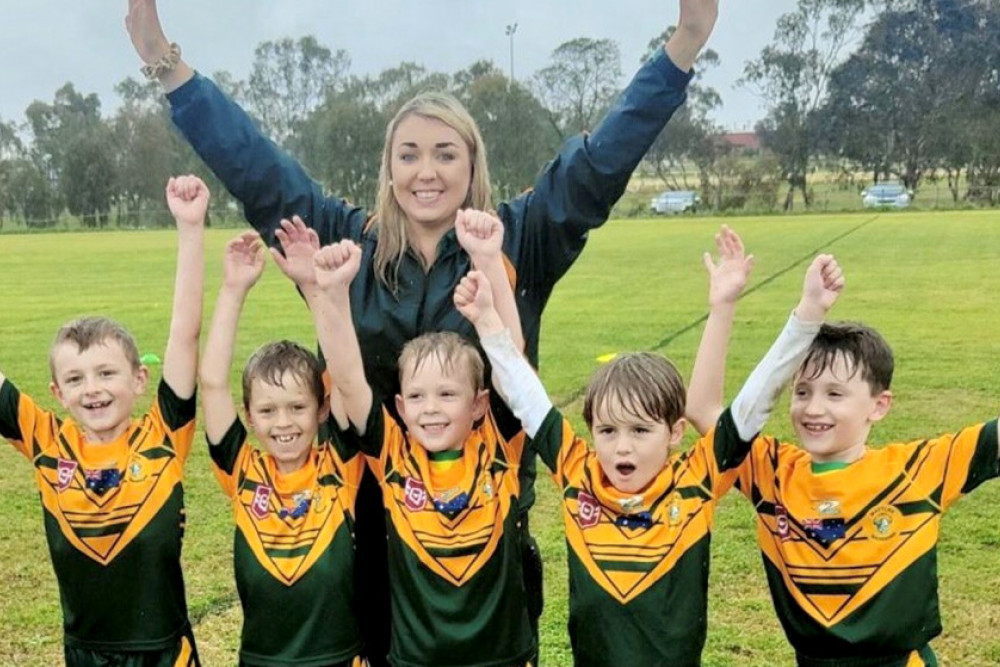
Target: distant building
x=747, y=142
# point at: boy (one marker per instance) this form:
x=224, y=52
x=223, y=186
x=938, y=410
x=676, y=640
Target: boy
x=849, y=534
x=637, y=518
x=449, y=479
x=294, y=501
x=111, y=486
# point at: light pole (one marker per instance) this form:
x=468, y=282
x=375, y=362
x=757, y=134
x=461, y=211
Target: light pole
x=511, y=29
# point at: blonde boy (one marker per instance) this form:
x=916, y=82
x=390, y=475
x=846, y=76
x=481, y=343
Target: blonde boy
x=638, y=518
x=449, y=479
x=111, y=485
x=293, y=502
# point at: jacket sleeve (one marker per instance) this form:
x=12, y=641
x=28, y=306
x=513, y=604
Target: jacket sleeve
x=577, y=189
x=266, y=180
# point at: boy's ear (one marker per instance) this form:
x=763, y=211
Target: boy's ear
x=141, y=380
x=677, y=432
x=399, y=405
x=480, y=404
x=57, y=392
x=882, y=404
x=324, y=411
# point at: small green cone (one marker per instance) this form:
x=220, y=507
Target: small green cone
x=149, y=359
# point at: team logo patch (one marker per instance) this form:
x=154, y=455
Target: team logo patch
x=414, y=494
x=261, y=501
x=64, y=473
x=137, y=469
x=588, y=510
x=781, y=522
x=824, y=531
x=828, y=507
x=488, y=489
x=883, y=522
x=674, y=513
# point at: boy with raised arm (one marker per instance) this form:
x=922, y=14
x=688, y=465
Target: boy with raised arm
x=638, y=517
x=111, y=485
x=449, y=479
x=292, y=499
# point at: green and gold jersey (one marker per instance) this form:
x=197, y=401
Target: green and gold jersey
x=851, y=554
x=293, y=552
x=454, y=548
x=114, y=519
x=638, y=563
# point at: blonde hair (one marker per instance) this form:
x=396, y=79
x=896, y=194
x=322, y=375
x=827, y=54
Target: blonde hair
x=388, y=220
x=87, y=332
x=642, y=384
x=452, y=351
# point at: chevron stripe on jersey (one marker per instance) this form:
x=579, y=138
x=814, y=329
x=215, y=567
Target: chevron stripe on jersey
x=628, y=542
x=841, y=538
x=289, y=520
x=455, y=543
x=147, y=461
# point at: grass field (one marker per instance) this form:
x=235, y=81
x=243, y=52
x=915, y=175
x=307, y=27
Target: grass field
x=927, y=280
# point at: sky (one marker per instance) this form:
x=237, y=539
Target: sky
x=47, y=43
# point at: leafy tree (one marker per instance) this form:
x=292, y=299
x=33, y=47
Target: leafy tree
x=792, y=73
x=513, y=123
x=289, y=79
x=580, y=84
x=689, y=137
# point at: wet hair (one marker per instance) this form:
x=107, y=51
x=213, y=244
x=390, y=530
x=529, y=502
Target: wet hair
x=452, y=351
x=270, y=363
x=863, y=349
x=87, y=332
x=388, y=219
x=642, y=383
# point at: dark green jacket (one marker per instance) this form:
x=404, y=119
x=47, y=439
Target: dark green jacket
x=544, y=229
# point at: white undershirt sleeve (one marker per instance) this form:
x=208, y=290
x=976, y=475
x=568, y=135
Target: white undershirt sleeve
x=517, y=381
x=752, y=406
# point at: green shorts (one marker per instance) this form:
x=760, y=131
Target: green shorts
x=183, y=654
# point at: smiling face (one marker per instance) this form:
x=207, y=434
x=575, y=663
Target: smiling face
x=98, y=386
x=833, y=410
x=632, y=448
x=439, y=402
x=285, y=419
x=431, y=171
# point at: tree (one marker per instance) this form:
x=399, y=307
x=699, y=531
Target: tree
x=580, y=84
x=916, y=96
x=791, y=74
x=689, y=137
x=513, y=123
x=289, y=79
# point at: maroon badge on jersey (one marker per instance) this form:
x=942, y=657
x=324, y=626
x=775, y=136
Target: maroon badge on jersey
x=64, y=473
x=414, y=494
x=588, y=510
x=261, y=504
x=781, y=521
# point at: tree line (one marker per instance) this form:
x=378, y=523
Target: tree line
x=905, y=90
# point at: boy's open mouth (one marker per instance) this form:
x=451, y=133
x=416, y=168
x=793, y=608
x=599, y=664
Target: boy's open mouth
x=625, y=469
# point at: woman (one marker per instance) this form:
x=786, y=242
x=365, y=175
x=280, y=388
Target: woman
x=433, y=164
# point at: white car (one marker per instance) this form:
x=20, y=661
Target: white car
x=675, y=201
x=886, y=195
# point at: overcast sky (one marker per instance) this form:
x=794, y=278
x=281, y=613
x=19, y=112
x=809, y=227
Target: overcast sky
x=46, y=43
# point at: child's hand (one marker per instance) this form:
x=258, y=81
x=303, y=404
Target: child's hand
x=335, y=266
x=823, y=284
x=298, y=243
x=727, y=279
x=480, y=234
x=243, y=261
x=187, y=198
x=473, y=296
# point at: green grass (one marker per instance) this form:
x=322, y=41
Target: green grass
x=926, y=280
